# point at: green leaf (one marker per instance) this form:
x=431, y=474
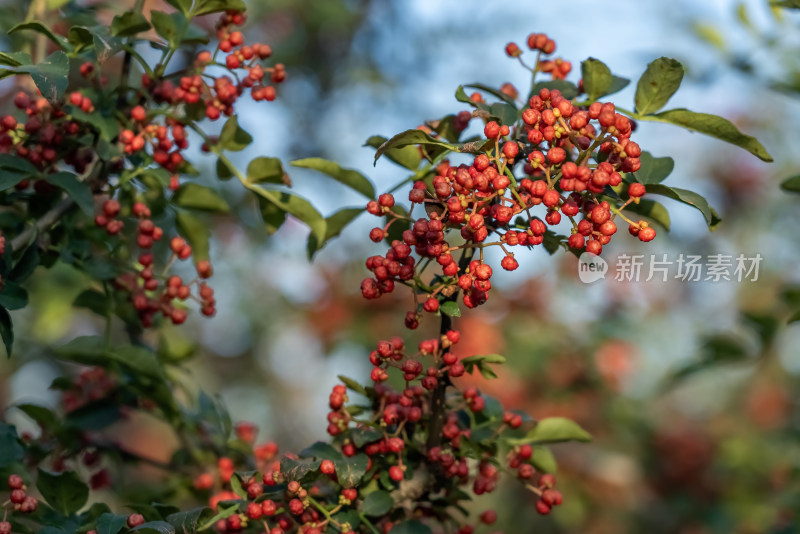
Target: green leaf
x=64, y=492
x=9, y=178
x=482, y=359
x=11, y=450
x=658, y=83
x=377, y=503
x=298, y=207
x=80, y=38
x=78, y=191
x=269, y=170
x=170, y=26
x=653, y=210
x=543, y=460
x=568, y=90
x=348, y=177
x=15, y=59
x=51, y=76
x=25, y=266
x=363, y=435
x=155, y=527
x=17, y=164
x=494, y=92
x=138, y=359
x=450, y=308
x=597, y=78
x=110, y=523
x=233, y=137
x=13, y=296
x=791, y=184
x=273, y=216
x=555, y=430
x=105, y=44
x=7, y=332
x=224, y=171
x=198, y=197
x=714, y=126
x=108, y=127
x=43, y=417
x=351, y=470
x=188, y=522
x=687, y=197
x=93, y=300
x=410, y=138
x=196, y=233
x=236, y=486
x=184, y=6
x=352, y=384
x=654, y=170
x=408, y=156
x=40, y=28
x=129, y=23
x=322, y=451
x=204, y=7
x=413, y=526
x=294, y=470
x=334, y=224
x=788, y=4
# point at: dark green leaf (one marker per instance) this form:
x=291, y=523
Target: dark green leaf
x=410, y=138
x=108, y=127
x=334, y=224
x=658, y=83
x=9, y=178
x=791, y=184
x=197, y=197
x=40, y=28
x=26, y=264
x=298, y=207
x=224, y=171
x=184, y=6
x=597, y=78
x=411, y=527
x=274, y=216
x=105, y=44
x=93, y=300
x=44, y=417
x=377, y=503
x=155, y=527
x=188, y=522
x=110, y=523
x=450, y=308
x=555, y=430
x=715, y=126
x=364, y=435
x=6, y=330
x=78, y=191
x=204, y=7
x=129, y=23
x=170, y=26
x=348, y=177
x=653, y=210
x=268, y=170
x=568, y=90
x=13, y=296
x=196, y=233
x=494, y=92
x=138, y=359
x=687, y=197
x=351, y=469
x=654, y=170
x=294, y=470
x=322, y=451
x=352, y=384
x=483, y=358
x=788, y=4
x=80, y=37
x=64, y=492
x=17, y=164
x=408, y=156
x=232, y=137
x=51, y=76
x=11, y=450
x=15, y=59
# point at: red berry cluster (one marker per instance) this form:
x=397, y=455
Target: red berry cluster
x=18, y=501
x=91, y=385
x=149, y=292
x=570, y=156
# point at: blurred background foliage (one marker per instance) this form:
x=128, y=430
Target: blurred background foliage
x=690, y=389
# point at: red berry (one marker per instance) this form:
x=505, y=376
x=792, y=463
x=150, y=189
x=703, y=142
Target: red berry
x=509, y=263
x=396, y=473
x=636, y=190
x=327, y=467
x=542, y=507
x=648, y=233
x=488, y=517
x=134, y=520
x=491, y=130
x=15, y=482
x=138, y=114
x=431, y=305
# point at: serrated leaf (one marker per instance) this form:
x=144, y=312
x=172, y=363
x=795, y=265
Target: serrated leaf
x=195, y=232
x=233, y=137
x=408, y=156
x=78, y=191
x=263, y=169
x=51, y=76
x=351, y=470
x=791, y=184
x=129, y=23
x=198, y=197
x=64, y=492
x=348, y=177
x=597, y=78
x=377, y=503
x=334, y=225
x=688, y=197
x=298, y=207
x=411, y=527
x=657, y=85
x=42, y=29
x=555, y=430
x=450, y=308
x=653, y=210
x=717, y=127
x=654, y=170
x=6, y=330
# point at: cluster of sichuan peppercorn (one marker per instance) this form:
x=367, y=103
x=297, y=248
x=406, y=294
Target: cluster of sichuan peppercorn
x=18, y=501
x=555, y=166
